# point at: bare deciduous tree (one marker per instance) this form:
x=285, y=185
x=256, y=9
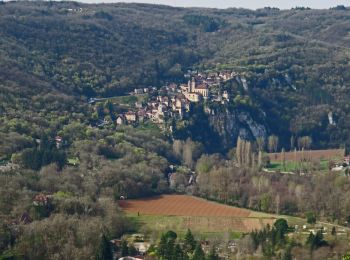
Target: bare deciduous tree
x=273, y=143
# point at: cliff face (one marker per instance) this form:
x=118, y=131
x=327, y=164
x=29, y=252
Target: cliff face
x=231, y=124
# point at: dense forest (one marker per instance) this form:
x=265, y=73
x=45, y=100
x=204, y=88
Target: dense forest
x=58, y=198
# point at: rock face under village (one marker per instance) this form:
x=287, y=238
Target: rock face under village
x=230, y=125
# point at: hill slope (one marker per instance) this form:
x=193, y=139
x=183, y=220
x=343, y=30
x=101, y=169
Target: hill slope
x=296, y=62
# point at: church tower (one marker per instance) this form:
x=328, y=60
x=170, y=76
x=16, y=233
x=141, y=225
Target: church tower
x=193, y=85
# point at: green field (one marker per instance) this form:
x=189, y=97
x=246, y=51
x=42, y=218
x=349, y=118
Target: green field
x=73, y=161
x=153, y=226
x=204, y=227
x=160, y=224
x=129, y=100
x=291, y=166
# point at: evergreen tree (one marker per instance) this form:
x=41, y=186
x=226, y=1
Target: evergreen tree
x=44, y=142
x=171, y=235
x=310, y=217
x=178, y=253
x=281, y=225
x=60, y=158
x=268, y=249
x=213, y=255
x=315, y=241
x=169, y=249
x=132, y=250
x=287, y=255
x=162, y=246
x=124, y=248
x=189, y=243
x=311, y=241
x=104, y=251
x=198, y=253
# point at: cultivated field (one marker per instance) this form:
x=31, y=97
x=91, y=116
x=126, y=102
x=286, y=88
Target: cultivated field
x=181, y=205
x=307, y=155
x=180, y=212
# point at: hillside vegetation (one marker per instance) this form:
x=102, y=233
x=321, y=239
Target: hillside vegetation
x=62, y=170
x=296, y=61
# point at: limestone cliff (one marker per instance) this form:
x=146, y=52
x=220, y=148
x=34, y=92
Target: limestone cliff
x=231, y=124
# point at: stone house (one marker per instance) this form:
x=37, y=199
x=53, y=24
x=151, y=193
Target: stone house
x=120, y=120
x=131, y=117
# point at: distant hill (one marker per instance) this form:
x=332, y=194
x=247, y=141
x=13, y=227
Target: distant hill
x=296, y=61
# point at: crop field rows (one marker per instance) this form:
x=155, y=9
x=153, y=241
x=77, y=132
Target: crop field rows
x=182, y=212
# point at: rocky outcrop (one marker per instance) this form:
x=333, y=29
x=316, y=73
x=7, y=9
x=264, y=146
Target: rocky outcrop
x=231, y=124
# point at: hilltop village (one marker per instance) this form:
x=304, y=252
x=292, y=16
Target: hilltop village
x=175, y=100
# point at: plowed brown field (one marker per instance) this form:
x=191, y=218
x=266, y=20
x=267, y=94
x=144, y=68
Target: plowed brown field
x=180, y=212
x=181, y=205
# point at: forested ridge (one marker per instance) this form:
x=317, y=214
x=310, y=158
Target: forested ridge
x=58, y=198
x=296, y=61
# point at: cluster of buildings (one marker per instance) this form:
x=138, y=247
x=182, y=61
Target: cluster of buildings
x=174, y=100
x=200, y=84
x=157, y=110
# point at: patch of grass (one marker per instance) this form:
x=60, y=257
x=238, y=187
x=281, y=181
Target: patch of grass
x=148, y=126
x=278, y=166
x=155, y=224
x=259, y=214
x=291, y=166
x=130, y=100
x=203, y=227
x=73, y=161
